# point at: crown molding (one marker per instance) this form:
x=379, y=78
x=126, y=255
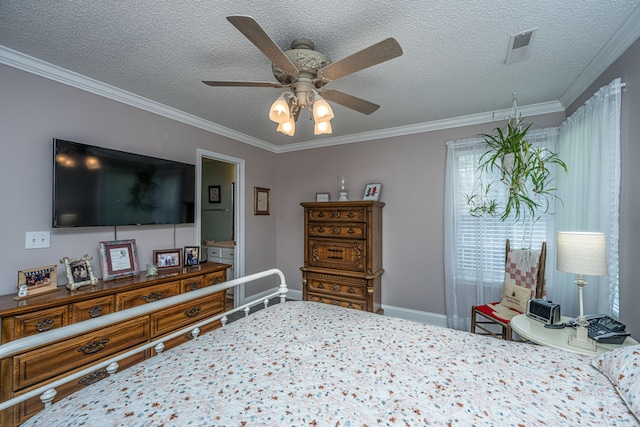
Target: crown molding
x=624, y=37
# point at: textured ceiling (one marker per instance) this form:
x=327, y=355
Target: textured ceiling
x=452, y=66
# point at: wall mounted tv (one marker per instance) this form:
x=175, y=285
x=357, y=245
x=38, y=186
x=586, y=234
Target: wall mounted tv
x=96, y=186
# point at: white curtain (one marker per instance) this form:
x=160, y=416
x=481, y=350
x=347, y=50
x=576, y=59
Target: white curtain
x=475, y=247
x=589, y=142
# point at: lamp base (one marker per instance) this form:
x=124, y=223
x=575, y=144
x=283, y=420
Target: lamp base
x=343, y=196
x=581, y=339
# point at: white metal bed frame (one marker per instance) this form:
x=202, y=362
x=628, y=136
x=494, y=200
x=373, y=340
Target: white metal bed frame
x=48, y=392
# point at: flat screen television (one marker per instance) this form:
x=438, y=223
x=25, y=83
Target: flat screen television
x=96, y=186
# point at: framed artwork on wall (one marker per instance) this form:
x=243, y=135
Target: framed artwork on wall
x=262, y=201
x=214, y=194
x=118, y=258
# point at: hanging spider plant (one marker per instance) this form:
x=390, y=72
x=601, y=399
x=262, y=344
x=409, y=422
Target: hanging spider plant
x=523, y=169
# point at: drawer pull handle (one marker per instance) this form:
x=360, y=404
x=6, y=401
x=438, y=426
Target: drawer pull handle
x=335, y=257
x=44, y=325
x=217, y=280
x=320, y=285
x=321, y=230
x=153, y=296
x=320, y=214
x=350, y=305
x=94, y=347
x=93, y=377
x=335, y=250
x=96, y=311
x=351, y=290
x=335, y=302
x=194, y=286
x=351, y=231
x=192, y=312
x=189, y=336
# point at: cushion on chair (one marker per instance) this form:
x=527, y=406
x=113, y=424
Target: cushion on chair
x=498, y=311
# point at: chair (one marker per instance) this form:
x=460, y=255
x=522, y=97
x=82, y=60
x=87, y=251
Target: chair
x=494, y=318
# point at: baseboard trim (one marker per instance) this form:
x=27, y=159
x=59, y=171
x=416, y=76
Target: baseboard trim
x=389, y=310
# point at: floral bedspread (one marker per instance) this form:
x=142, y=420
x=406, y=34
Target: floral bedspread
x=310, y=364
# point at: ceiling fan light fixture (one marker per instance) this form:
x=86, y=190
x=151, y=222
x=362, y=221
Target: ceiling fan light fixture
x=288, y=127
x=279, y=111
x=322, y=127
x=322, y=110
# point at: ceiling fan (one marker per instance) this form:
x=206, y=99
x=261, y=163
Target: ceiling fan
x=306, y=71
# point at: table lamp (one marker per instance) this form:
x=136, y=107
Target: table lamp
x=582, y=253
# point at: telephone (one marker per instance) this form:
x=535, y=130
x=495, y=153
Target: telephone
x=604, y=329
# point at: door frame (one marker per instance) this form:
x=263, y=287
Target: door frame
x=238, y=214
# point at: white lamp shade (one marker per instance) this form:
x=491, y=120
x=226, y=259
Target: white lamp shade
x=322, y=127
x=279, y=111
x=582, y=253
x=288, y=127
x=322, y=111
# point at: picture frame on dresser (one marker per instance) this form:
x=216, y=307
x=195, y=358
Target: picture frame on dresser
x=167, y=259
x=79, y=272
x=37, y=280
x=118, y=258
x=323, y=197
x=191, y=256
x=372, y=192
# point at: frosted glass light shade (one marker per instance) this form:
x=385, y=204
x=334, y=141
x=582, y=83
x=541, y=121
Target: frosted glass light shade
x=322, y=127
x=582, y=253
x=279, y=111
x=288, y=127
x=322, y=111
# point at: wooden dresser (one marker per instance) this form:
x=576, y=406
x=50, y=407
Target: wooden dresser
x=38, y=314
x=343, y=254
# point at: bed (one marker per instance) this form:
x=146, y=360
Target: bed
x=305, y=363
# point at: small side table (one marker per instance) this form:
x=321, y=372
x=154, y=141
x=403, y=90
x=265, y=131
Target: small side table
x=535, y=331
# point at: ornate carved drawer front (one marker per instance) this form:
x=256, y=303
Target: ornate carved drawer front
x=326, y=299
x=34, y=405
x=192, y=284
x=337, y=285
x=47, y=362
x=215, y=278
x=91, y=309
x=357, y=230
x=340, y=254
x=345, y=213
x=146, y=295
x=181, y=315
x=41, y=321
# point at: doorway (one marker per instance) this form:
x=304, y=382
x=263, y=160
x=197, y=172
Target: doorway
x=220, y=212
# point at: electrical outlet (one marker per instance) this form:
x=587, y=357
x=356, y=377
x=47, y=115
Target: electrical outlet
x=37, y=239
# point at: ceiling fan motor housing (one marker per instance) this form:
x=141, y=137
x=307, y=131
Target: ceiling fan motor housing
x=307, y=60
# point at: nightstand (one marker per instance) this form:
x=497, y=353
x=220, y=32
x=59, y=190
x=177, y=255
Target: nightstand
x=535, y=331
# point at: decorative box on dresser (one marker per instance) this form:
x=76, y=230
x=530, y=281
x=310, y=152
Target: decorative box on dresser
x=343, y=254
x=25, y=371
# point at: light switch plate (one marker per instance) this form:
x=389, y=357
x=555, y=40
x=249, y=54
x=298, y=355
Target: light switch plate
x=37, y=239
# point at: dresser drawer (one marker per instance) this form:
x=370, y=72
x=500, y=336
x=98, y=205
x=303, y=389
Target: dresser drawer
x=339, y=254
x=192, y=284
x=326, y=299
x=32, y=406
x=336, y=286
x=41, y=321
x=215, y=278
x=146, y=295
x=341, y=213
x=182, y=315
x=91, y=309
x=44, y=363
x=350, y=230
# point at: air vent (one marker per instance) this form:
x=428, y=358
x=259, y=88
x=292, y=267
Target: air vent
x=520, y=45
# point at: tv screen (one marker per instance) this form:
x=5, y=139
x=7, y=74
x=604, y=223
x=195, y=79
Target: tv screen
x=96, y=186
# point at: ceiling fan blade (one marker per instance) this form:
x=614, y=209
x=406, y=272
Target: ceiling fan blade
x=245, y=84
x=373, y=55
x=350, y=101
x=251, y=30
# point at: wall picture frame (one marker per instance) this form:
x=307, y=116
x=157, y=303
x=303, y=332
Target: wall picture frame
x=372, y=192
x=79, y=272
x=34, y=281
x=118, y=258
x=262, y=201
x=323, y=197
x=214, y=194
x=191, y=256
x=167, y=259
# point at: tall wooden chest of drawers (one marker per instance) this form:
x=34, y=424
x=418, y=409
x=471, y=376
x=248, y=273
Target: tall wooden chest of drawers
x=343, y=254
